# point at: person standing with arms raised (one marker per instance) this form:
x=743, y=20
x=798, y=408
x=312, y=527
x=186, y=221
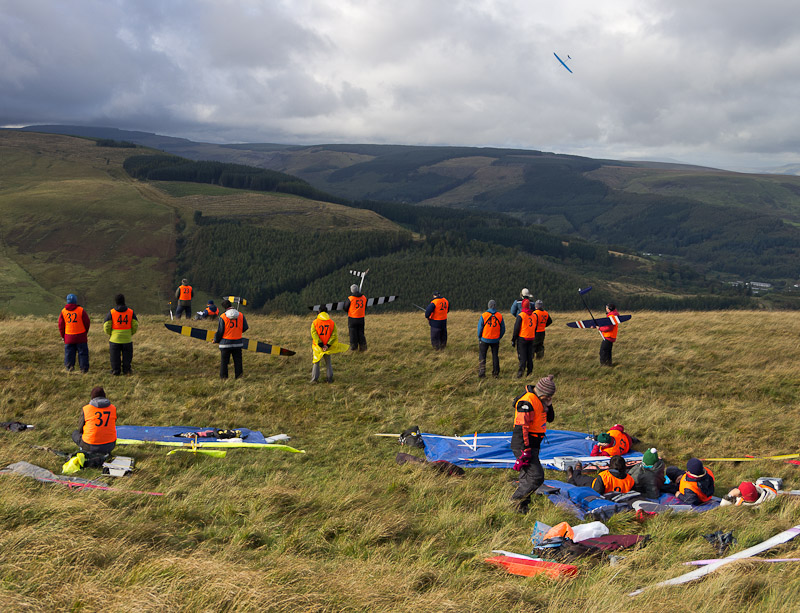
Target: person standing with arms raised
x=120, y=324
x=436, y=313
x=184, y=297
x=491, y=329
x=356, y=307
x=609, y=336
x=73, y=324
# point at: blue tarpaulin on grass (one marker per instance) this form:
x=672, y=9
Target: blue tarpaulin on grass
x=493, y=449
x=167, y=434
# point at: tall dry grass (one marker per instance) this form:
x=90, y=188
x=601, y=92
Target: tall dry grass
x=342, y=528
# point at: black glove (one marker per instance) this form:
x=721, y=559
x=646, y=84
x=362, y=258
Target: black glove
x=513, y=343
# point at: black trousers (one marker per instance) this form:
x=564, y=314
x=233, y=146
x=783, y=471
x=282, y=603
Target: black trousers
x=538, y=345
x=186, y=309
x=532, y=475
x=605, y=352
x=225, y=355
x=482, y=349
x=525, y=355
x=439, y=337
x=121, y=355
x=105, y=448
x=358, y=340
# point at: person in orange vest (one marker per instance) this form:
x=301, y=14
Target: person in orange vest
x=232, y=324
x=491, y=329
x=73, y=324
x=522, y=339
x=609, y=336
x=184, y=297
x=97, y=432
x=542, y=319
x=532, y=411
x=356, y=307
x=614, y=442
x=324, y=342
x=436, y=313
x=120, y=324
x=210, y=312
x=695, y=485
x=615, y=479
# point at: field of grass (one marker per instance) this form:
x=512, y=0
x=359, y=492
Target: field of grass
x=342, y=527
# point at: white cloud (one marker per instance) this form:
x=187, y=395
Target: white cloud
x=708, y=82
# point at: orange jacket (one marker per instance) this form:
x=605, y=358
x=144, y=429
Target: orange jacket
x=100, y=424
x=121, y=320
x=358, y=307
x=73, y=321
x=532, y=422
x=440, y=308
x=610, y=332
x=233, y=328
x=324, y=328
x=527, y=328
x=612, y=483
x=542, y=318
x=492, y=325
x=621, y=446
x=185, y=292
x=688, y=484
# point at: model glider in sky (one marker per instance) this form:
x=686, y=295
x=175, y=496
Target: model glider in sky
x=563, y=63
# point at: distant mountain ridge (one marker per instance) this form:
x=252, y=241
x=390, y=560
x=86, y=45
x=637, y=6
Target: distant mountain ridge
x=723, y=222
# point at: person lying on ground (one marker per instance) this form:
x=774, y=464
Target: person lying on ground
x=749, y=494
x=615, y=479
x=695, y=485
x=614, y=442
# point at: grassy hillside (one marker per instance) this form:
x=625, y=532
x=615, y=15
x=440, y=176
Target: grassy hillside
x=71, y=220
x=342, y=527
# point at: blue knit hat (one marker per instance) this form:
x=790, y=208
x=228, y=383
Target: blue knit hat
x=72, y=299
x=695, y=467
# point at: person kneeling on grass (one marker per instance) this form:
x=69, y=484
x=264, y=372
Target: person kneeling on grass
x=98, y=425
x=614, y=442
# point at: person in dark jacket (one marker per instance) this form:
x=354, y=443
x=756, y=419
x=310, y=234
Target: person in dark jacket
x=232, y=324
x=97, y=430
x=210, y=312
x=120, y=324
x=532, y=412
x=356, y=307
x=648, y=476
x=522, y=339
x=73, y=324
x=491, y=329
x=184, y=297
x=695, y=485
x=516, y=306
x=436, y=314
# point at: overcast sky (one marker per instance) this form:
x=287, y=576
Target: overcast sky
x=714, y=82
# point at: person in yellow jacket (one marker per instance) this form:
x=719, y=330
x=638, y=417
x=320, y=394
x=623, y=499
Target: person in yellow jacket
x=98, y=424
x=120, y=324
x=324, y=342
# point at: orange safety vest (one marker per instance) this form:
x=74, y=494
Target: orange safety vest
x=611, y=335
x=210, y=312
x=73, y=321
x=621, y=446
x=528, y=327
x=491, y=325
x=186, y=292
x=536, y=420
x=324, y=328
x=684, y=484
x=440, y=308
x=100, y=424
x=541, y=320
x=233, y=328
x=358, y=307
x=121, y=320
x=615, y=484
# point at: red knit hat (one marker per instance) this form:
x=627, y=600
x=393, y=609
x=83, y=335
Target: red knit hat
x=748, y=491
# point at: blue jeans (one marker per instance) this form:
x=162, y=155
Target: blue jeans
x=82, y=350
